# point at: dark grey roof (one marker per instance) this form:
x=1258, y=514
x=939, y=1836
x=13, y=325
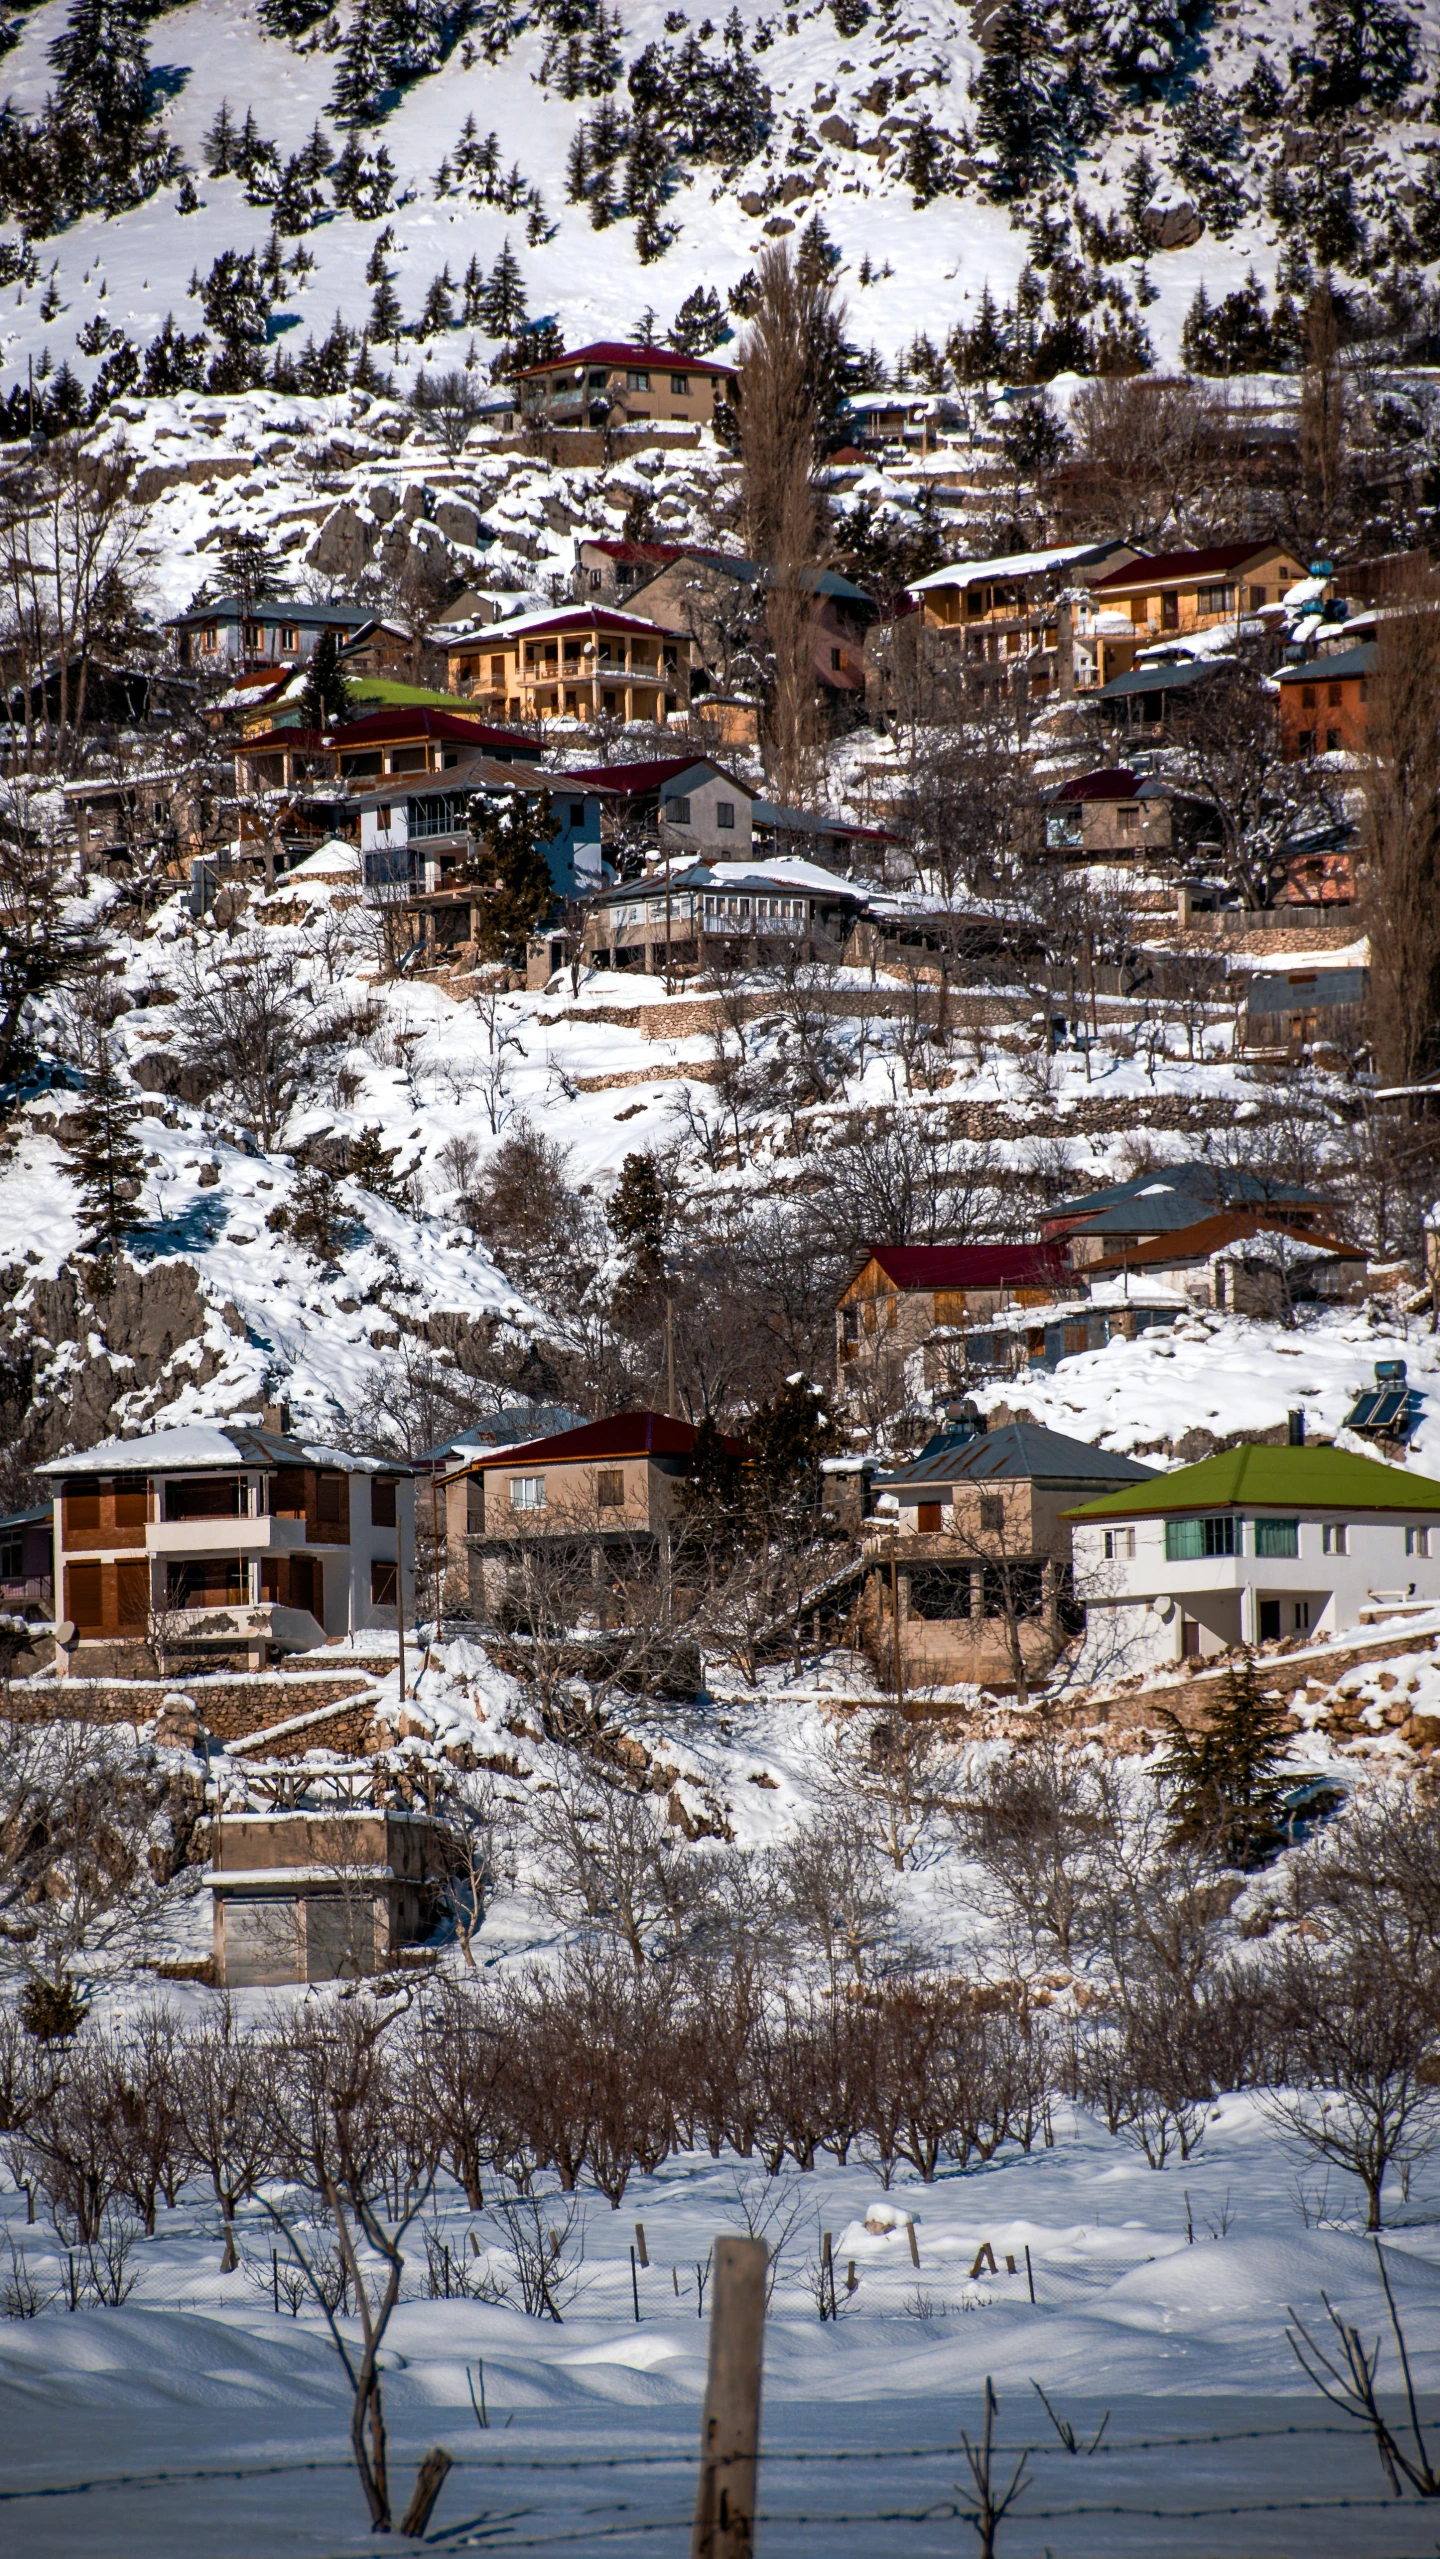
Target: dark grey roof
x=26, y=1519
x=276, y=608
x=1020, y=1451
x=1112, y=1210
x=1153, y=679
x=517, y=1422
x=1361, y=660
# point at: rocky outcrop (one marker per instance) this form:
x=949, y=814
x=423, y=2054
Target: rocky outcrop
x=80, y=1349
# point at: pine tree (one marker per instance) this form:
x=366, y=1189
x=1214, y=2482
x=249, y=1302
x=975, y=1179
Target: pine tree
x=1225, y=1784
x=638, y=1217
x=577, y=167
x=1364, y=55
x=174, y=362
x=472, y=293
x=299, y=201
x=314, y=1216
x=376, y=271
x=103, y=66
x=372, y=196
x=372, y=1165
x=511, y=868
x=346, y=175
x=364, y=72
x=106, y=1162
x=387, y=320
x=220, y=143
x=1031, y=102
x=325, y=699
x=701, y=323
x=288, y=19
x=503, y=309
x=438, y=313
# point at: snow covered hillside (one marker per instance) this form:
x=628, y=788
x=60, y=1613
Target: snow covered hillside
x=634, y=159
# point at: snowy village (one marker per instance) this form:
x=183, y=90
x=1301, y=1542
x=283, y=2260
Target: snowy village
x=720, y=1279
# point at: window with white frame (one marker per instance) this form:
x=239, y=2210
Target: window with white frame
x=1417, y=1541
x=527, y=1492
x=1119, y=1545
x=1335, y=1537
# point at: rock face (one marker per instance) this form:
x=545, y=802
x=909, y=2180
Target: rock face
x=1171, y=222
x=70, y=1355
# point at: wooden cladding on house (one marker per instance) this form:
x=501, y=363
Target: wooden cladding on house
x=109, y=1598
x=101, y=1510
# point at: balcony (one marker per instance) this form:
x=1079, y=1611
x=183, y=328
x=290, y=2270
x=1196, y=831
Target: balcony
x=267, y=1535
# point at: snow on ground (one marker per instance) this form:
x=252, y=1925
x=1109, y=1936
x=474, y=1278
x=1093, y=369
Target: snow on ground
x=593, y=2423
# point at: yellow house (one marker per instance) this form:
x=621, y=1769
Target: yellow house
x=1026, y=610
x=1179, y=591
x=577, y=662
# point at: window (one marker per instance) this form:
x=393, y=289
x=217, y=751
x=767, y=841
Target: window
x=637, y=381
x=1258, y=596
x=382, y=1501
x=678, y=812
x=1216, y=599
x=383, y=1581
x=1417, y=1541
x=1306, y=741
x=1335, y=1537
x=992, y=1514
x=941, y=1591
x=1128, y=820
x=253, y=635
x=382, y=819
x=209, y=637
x=836, y=661
x=1307, y=697
x=1119, y=1545
x=680, y=385
x=497, y=670
x=1277, y=1537
x=610, y=1488
x=927, y=1518
x=1302, y=1616
x=1186, y=1540
x=206, y=1497
x=577, y=812
x=725, y=814
x=289, y=636
x=594, y=579
x=1269, y=1616
x=332, y=1501
x=211, y=1581
x=527, y=1492
x=1334, y=695
x=1332, y=741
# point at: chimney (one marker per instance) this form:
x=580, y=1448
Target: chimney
x=276, y=1417
x=1297, y=1430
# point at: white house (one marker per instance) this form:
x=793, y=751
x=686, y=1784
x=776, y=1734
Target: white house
x=234, y=1542
x=1250, y=1545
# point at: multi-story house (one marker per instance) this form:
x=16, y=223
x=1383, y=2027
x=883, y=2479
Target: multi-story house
x=369, y=749
x=1251, y=1545
x=1325, y=702
x=904, y=1294
x=27, y=1564
x=323, y=1876
x=604, y=1498
x=1030, y=611
x=969, y=1551
x=1170, y=593
x=708, y=914
x=574, y=662
x=614, y=385
x=232, y=1544
x=1105, y=1225
x=235, y=634
x=420, y=838
x=716, y=601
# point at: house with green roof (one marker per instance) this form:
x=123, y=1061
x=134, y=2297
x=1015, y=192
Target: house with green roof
x=1251, y=1545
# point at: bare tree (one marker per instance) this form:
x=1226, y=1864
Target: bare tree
x=1365, y=2054
x=779, y=452
x=832, y=1887
x=611, y=1861
x=1149, y=453
x=248, y=1028
x=1402, y=788
x=70, y=534
x=1230, y=753
x=227, y=2128
x=1040, y=1823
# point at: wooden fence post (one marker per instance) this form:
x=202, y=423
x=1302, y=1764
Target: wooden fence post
x=730, y=2426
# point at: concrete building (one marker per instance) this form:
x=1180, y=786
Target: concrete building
x=1251, y=1545
x=267, y=631
x=327, y=1881
x=611, y=384
x=229, y=1545
x=574, y=662
x=903, y=1294
x=1105, y=1225
x=975, y=1555
x=1030, y=610
x=1167, y=594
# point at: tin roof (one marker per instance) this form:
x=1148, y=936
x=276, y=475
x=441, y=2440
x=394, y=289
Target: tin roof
x=1019, y=1451
x=1303, y=1479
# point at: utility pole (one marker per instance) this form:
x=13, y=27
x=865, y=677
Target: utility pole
x=670, y=1356
x=899, y=1658
x=730, y=2426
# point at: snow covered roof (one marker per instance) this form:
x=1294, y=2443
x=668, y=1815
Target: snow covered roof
x=572, y=617
x=331, y=861
x=785, y=872
x=275, y=608
x=1018, y=564
x=1303, y=1479
x=202, y=1444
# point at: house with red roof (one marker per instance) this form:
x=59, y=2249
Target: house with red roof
x=604, y=1498
x=904, y=1294
x=611, y=384
x=1178, y=592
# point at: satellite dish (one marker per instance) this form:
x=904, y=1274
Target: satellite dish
x=66, y=1632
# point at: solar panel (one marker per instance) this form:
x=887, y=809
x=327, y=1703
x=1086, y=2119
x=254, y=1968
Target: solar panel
x=1393, y=1410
